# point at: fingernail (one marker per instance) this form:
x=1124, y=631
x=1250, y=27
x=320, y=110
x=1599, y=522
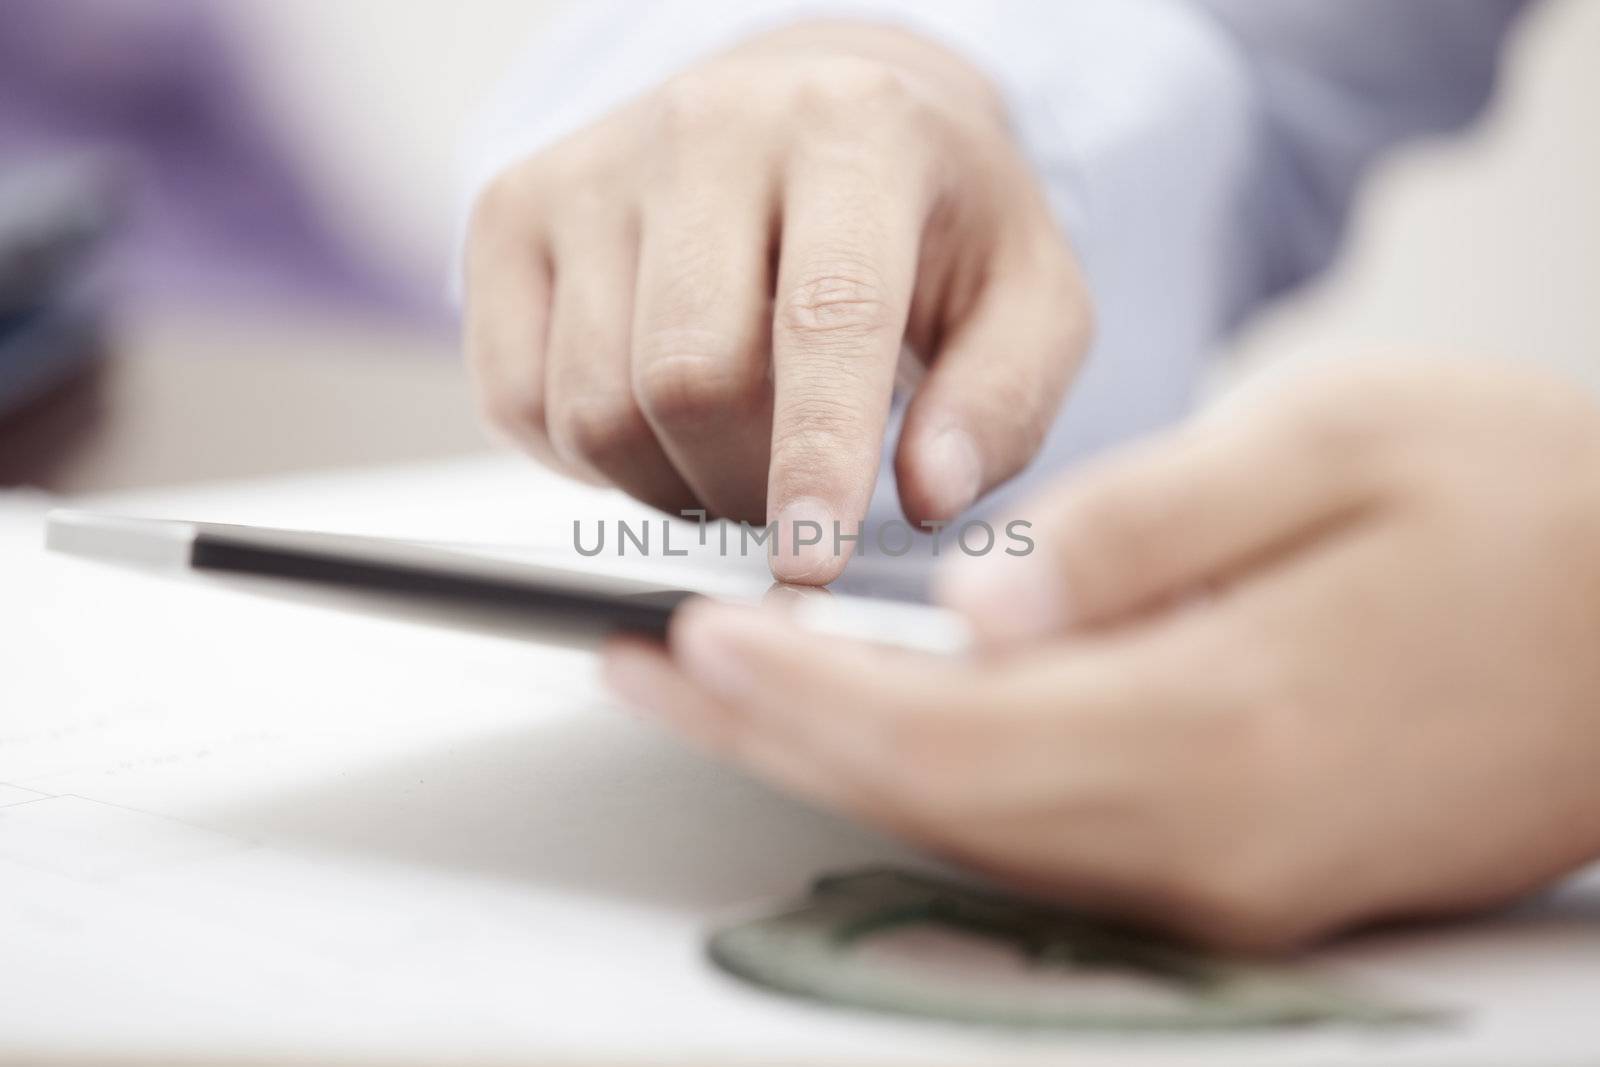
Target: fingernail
x=705, y=642
x=784, y=596
x=1010, y=599
x=805, y=540
x=952, y=472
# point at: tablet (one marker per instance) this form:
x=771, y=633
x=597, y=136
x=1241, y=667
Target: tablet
x=460, y=588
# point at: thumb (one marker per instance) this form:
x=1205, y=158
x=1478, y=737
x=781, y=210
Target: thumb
x=1155, y=521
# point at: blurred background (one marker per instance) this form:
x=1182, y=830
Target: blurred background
x=228, y=228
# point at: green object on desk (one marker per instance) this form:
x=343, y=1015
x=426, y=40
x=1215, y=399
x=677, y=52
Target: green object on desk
x=862, y=940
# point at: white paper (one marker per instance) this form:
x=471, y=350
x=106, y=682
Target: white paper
x=238, y=827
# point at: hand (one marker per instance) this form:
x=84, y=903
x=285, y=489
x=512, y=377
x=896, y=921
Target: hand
x=1332, y=658
x=702, y=298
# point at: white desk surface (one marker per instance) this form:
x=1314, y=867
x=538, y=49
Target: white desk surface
x=238, y=830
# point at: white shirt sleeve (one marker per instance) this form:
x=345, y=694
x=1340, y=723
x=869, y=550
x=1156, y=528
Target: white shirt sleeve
x=1199, y=154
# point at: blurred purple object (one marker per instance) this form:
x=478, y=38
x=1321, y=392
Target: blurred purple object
x=217, y=210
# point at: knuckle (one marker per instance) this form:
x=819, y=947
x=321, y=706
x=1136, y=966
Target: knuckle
x=590, y=157
x=693, y=102
x=1344, y=430
x=1063, y=311
x=681, y=389
x=597, y=428
x=499, y=200
x=1336, y=433
x=585, y=210
x=520, y=194
x=1014, y=403
x=839, y=302
x=501, y=208
x=846, y=83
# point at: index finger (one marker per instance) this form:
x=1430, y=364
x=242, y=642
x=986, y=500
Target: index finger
x=845, y=277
